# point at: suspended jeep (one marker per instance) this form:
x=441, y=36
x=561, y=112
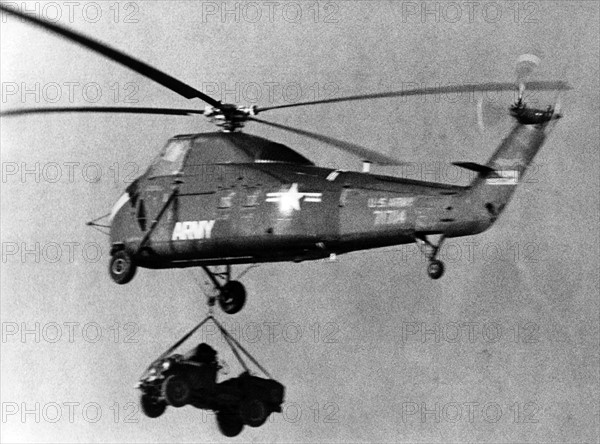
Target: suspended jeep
x=178, y=380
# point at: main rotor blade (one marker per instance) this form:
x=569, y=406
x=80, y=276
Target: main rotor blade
x=357, y=150
x=136, y=65
x=506, y=86
x=101, y=109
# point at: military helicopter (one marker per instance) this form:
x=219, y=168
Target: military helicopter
x=219, y=199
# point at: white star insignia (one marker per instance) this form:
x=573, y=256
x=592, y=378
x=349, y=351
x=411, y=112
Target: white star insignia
x=290, y=200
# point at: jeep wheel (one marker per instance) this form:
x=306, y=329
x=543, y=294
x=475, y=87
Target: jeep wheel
x=229, y=424
x=254, y=412
x=151, y=406
x=176, y=391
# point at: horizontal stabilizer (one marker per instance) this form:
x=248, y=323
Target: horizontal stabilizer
x=483, y=170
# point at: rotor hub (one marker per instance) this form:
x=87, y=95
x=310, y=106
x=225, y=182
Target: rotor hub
x=229, y=117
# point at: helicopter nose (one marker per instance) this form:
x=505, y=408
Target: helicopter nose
x=118, y=205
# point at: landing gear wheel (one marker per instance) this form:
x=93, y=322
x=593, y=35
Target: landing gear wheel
x=254, y=412
x=232, y=297
x=435, y=269
x=229, y=424
x=122, y=268
x=151, y=406
x=176, y=391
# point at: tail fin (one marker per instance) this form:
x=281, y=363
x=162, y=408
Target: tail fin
x=497, y=180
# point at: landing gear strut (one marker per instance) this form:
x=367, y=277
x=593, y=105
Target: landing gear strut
x=231, y=294
x=435, y=268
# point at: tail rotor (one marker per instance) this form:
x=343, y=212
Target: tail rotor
x=491, y=114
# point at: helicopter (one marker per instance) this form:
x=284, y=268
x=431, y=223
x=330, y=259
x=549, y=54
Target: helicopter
x=219, y=199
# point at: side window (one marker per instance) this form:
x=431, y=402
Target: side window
x=252, y=197
x=226, y=199
x=141, y=215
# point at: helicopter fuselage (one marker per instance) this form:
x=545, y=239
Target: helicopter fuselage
x=248, y=213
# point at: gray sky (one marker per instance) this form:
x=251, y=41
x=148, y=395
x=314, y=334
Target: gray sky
x=515, y=351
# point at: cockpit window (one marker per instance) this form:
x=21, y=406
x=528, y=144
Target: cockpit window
x=170, y=160
x=215, y=148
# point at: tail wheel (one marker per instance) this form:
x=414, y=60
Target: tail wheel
x=254, y=412
x=232, y=297
x=435, y=269
x=151, y=406
x=122, y=267
x=176, y=391
x=229, y=423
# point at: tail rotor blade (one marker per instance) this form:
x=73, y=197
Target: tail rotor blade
x=526, y=65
